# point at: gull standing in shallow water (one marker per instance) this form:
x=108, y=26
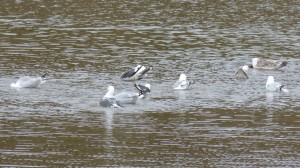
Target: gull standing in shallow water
x=241, y=73
x=136, y=73
x=29, y=82
x=273, y=86
x=261, y=63
x=182, y=83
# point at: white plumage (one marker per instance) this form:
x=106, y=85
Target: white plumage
x=182, y=83
x=29, y=82
x=273, y=86
x=111, y=100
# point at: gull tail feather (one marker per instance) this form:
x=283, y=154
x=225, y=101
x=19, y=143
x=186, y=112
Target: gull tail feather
x=284, y=63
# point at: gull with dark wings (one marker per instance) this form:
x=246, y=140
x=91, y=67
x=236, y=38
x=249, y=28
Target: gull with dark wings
x=137, y=73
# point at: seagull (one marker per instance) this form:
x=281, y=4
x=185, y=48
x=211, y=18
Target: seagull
x=127, y=97
x=109, y=100
x=241, y=73
x=136, y=73
x=273, y=86
x=144, y=90
x=261, y=63
x=29, y=82
x=182, y=83
x=116, y=101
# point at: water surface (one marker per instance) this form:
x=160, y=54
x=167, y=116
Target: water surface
x=86, y=45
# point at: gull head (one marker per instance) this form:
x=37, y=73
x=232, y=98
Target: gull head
x=245, y=68
x=110, y=92
x=182, y=77
x=254, y=62
x=15, y=85
x=270, y=79
x=110, y=88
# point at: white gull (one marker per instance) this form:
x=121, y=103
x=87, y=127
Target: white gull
x=182, y=83
x=273, y=86
x=29, y=82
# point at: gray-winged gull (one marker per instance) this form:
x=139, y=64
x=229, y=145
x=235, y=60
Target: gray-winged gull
x=136, y=73
x=273, y=86
x=262, y=63
x=109, y=100
x=118, y=100
x=241, y=73
x=127, y=97
x=29, y=82
x=182, y=83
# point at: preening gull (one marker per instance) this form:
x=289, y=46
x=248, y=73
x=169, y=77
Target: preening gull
x=273, y=86
x=144, y=90
x=182, y=83
x=241, y=73
x=109, y=100
x=261, y=63
x=29, y=82
x=136, y=73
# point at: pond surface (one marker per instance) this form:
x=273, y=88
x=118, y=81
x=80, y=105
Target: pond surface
x=85, y=46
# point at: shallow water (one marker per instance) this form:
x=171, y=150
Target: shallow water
x=86, y=45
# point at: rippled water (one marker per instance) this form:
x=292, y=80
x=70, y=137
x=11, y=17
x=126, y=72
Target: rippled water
x=86, y=45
